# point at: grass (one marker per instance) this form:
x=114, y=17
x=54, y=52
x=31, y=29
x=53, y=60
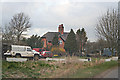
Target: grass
x=90, y=72
x=71, y=68
x=25, y=69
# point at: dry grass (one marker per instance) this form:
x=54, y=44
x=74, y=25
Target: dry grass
x=43, y=69
x=71, y=65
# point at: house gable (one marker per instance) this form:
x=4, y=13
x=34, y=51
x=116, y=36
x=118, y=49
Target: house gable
x=62, y=36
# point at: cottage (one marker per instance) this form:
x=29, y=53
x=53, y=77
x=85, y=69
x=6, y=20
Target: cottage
x=62, y=36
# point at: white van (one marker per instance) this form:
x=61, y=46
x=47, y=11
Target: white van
x=21, y=51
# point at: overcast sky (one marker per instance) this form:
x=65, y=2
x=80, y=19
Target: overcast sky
x=47, y=15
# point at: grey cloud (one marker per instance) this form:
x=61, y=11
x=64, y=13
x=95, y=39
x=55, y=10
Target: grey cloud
x=46, y=16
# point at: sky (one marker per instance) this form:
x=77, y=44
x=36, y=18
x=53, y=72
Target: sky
x=47, y=15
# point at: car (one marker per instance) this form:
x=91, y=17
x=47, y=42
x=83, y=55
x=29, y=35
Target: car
x=35, y=52
x=37, y=56
x=40, y=50
x=46, y=54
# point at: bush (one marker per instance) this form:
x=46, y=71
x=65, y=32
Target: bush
x=58, y=51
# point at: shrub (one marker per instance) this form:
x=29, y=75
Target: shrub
x=59, y=51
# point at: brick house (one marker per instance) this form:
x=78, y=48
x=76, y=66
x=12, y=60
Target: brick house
x=62, y=36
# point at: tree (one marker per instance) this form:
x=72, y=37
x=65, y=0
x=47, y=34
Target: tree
x=8, y=35
x=71, y=43
x=99, y=45
x=19, y=24
x=55, y=41
x=81, y=39
x=107, y=28
x=34, y=41
x=78, y=38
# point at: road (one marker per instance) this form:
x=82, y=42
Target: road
x=110, y=73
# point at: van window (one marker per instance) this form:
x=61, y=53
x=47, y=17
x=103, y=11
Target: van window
x=29, y=49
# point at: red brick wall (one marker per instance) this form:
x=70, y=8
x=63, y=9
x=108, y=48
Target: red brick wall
x=44, y=42
x=49, y=44
x=61, y=45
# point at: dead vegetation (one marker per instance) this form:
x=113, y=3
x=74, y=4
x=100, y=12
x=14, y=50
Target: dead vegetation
x=45, y=69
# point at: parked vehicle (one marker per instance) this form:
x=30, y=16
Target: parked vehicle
x=107, y=52
x=40, y=50
x=46, y=54
x=21, y=51
x=5, y=47
x=37, y=55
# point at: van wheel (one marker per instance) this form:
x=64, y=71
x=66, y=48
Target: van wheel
x=36, y=57
x=18, y=56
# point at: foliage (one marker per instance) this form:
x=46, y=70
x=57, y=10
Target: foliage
x=57, y=50
x=71, y=43
x=34, y=41
x=92, y=71
x=55, y=41
x=48, y=48
x=29, y=69
x=99, y=45
x=81, y=39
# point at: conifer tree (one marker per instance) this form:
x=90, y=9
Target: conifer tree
x=71, y=44
x=81, y=39
x=34, y=41
x=55, y=41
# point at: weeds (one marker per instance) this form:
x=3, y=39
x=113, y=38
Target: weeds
x=28, y=69
x=43, y=69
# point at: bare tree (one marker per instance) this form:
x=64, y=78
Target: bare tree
x=8, y=34
x=107, y=28
x=98, y=46
x=19, y=24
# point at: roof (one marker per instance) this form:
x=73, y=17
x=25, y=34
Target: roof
x=50, y=35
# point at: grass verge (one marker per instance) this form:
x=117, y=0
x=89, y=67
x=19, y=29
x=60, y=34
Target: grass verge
x=71, y=68
x=90, y=72
x=29, y=69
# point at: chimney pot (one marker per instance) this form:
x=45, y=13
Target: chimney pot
x=61, y=25
x=61, y=29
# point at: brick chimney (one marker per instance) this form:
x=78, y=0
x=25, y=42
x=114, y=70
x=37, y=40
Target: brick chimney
x=61, y=29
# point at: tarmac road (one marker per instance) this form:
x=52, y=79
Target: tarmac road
x=110, y=73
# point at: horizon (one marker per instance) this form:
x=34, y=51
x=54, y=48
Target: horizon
x=47, y=16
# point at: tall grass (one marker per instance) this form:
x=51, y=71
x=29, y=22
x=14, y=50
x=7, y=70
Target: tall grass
x=25, y=69
x=91, y=71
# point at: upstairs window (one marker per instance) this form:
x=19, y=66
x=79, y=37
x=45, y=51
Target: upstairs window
x=60, y=41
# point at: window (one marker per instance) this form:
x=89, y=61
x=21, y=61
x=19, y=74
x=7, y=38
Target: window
x=60, y=41
x=29, y=49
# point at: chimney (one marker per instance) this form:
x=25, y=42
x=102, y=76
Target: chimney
x=61, y=29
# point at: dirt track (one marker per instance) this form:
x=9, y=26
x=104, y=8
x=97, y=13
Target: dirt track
x=110, y=73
